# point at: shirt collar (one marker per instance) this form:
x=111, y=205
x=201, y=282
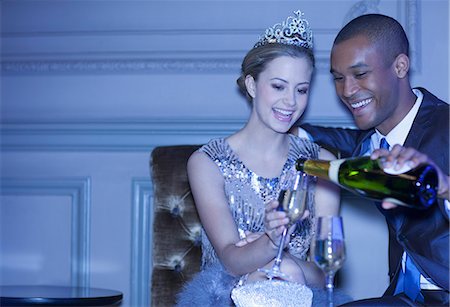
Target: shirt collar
x=400, y=132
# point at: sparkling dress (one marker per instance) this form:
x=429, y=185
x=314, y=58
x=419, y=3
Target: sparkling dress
x=247, y=193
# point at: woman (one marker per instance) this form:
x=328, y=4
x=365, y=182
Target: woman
x=235, y=180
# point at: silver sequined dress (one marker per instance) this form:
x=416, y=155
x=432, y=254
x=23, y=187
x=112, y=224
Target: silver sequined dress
x=247, y=194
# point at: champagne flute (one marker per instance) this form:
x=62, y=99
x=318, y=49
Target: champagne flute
x=292, y=200
x=329, y=249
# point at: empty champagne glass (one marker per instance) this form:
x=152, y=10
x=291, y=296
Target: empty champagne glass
x=329, y=249
x=292, y=200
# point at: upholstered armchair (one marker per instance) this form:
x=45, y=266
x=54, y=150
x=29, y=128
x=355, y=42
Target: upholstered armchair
x=176, y=226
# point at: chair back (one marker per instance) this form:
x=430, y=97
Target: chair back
x=176, y=226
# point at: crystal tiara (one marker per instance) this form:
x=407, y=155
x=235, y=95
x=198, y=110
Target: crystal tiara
x=294, y=31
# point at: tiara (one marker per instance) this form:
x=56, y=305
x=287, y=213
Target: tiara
x=294, y=31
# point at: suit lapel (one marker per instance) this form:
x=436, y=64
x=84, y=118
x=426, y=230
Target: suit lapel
x=420, y=125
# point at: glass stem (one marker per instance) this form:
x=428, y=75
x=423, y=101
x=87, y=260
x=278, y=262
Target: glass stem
x=276, y=264
x=330, y=288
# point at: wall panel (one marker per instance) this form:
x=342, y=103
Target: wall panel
x=36, y=229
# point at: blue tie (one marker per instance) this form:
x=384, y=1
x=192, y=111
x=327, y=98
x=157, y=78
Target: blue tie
x=412, y=280
x=409, y=281
x=384, y=144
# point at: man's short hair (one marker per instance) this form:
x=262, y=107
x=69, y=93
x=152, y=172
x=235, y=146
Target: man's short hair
x=384, y=31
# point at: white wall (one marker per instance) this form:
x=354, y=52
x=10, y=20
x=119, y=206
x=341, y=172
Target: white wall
x=88, y=88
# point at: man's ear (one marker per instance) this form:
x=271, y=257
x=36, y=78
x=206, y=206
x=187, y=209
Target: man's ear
x=401, y=65
x=250, y=84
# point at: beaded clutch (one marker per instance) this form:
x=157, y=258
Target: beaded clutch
x=272, y=293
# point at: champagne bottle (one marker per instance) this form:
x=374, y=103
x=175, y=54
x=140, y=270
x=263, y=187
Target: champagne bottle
x=407, y=187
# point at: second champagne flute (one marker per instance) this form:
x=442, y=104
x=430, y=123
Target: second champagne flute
x=329, y=249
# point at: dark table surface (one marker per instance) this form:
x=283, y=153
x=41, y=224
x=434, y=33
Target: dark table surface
x=58, y=296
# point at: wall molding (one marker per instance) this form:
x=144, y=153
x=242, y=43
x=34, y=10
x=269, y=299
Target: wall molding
x=412, y=28
x=124, y=135
x=162, y=57
x=152, y=66
x=141, y=242
x=121, y=66
x=79, y=189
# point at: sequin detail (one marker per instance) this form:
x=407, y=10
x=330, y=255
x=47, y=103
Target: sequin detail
x=247, y=193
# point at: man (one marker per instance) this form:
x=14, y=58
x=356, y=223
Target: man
x=370, y=65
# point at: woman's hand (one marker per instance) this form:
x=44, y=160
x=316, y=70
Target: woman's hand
x=249, y=238
x=275, y=222
x=400, y=156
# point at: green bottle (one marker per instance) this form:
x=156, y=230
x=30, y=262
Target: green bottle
x=415, y=188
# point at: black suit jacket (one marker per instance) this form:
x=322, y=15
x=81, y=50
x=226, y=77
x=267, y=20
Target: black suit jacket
x=424, y=234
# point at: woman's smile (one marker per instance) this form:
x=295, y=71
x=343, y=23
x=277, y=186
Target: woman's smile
x=283, y=115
